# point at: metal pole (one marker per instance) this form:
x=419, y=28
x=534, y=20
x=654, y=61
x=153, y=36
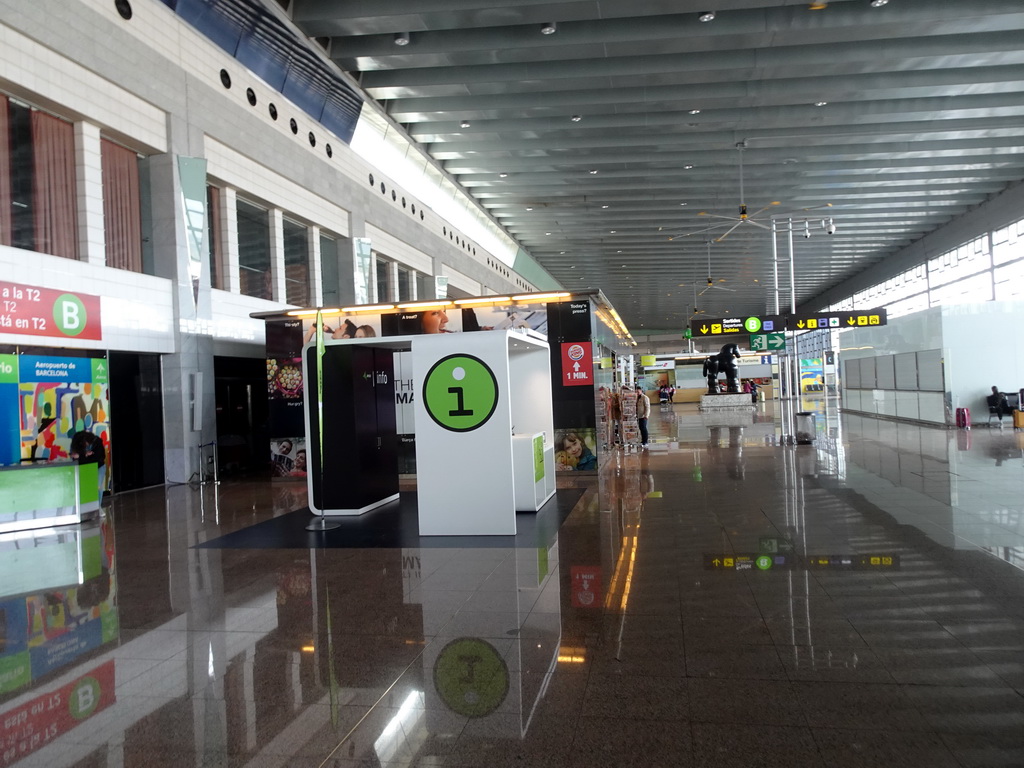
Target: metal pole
x=775, y=265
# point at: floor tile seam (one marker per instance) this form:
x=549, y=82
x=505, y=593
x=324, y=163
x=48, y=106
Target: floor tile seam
x=326, y=762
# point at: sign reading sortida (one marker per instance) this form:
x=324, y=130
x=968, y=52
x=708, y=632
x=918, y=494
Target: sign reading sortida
x=25, y=309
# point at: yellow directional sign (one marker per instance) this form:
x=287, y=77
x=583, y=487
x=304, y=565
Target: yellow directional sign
x=856, y=319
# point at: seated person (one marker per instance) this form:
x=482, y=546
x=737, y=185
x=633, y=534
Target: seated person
x=998, y=404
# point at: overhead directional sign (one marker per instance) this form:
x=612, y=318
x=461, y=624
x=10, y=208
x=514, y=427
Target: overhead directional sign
x=766, y=341
x=775, y=324
x=722, y=326
x=859, y=319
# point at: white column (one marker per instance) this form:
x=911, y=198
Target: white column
x=229, y=239
x=316, y=277
x=278, y=287
x=89, y=189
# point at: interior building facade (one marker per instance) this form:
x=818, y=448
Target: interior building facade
x=720, y=597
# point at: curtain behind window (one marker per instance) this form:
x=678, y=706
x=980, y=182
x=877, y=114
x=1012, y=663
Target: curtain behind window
x=6, y=224
x=54, y=188
x=122, y=224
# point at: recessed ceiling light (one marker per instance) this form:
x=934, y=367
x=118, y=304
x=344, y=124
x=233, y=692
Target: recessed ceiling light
x=879, y=3
x=464, y=124
x=820, y=103
x=687, y=167
x=549, y=29
x=680, y=204
x=547, y=233
x=694, y=111
x=573, y=266
x=593, y=172
x=529, y=209
x=707, y=16
x=502, y=175
x=604, y=206
x=401, y=38
x=576, y=118
x=611, y=231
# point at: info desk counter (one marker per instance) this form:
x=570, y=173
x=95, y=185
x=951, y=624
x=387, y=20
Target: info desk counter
x=41, y=495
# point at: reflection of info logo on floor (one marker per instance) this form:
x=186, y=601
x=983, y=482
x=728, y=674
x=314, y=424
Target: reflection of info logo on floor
x=460, y=393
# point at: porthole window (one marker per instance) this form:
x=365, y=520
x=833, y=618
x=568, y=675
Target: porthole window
x=328, y=150
x=412, y=208
x=371, y=179
x=403, y=202
x=394, y=196
x=124, y=8
x=273, y=111
x=421, y=215
x=294, y=125
x=250, y=94
x=383, y=189
x=312, y=139
x=225, y=78
x=444, y=230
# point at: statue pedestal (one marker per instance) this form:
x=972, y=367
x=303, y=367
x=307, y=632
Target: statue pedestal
x=727, y=402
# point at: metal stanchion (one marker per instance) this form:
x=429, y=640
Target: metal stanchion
x=203, y=477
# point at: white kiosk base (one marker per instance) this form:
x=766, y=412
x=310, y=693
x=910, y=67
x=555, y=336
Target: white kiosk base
x=484, y=430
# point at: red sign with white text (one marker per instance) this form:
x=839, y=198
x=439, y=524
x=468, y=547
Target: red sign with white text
x=586, y=586
x=577, y=363
x=44, y=312
x=35, y=724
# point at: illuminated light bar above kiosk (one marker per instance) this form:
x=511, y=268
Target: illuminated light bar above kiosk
x=369, y=308
x=436, y=304
x=557, y=296
x=312, y=312
x=485, y=300
x=601, y=307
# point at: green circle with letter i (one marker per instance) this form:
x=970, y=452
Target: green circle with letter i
x=69, y=314
x=471, y=677
x=460, y=392
x=752, y=324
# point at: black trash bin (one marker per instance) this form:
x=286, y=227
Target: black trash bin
x=805, y=429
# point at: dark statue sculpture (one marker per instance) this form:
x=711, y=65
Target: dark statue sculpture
x=711, y=373
x=723, y=362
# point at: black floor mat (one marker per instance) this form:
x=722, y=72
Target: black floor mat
x=394, y=525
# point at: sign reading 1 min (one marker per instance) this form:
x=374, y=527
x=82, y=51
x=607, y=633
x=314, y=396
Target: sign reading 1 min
x=460, y=393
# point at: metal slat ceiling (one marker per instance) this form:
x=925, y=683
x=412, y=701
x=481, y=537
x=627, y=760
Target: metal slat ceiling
x=922, y=119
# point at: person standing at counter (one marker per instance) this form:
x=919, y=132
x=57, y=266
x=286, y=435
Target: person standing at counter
x=87, y=448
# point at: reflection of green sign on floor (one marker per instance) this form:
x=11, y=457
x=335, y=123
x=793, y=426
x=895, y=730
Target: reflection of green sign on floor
x=460, y=393
x=471, y=677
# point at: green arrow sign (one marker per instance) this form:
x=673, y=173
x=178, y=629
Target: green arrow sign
x=766, y=341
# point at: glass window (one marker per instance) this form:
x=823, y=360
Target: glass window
x=254, y=251
x=38, y=208
x=213, y=230
x=122, y=220
x=383, y=281
x=329, y=273
x=404, y=285
x=425, y=286
x=296, y=263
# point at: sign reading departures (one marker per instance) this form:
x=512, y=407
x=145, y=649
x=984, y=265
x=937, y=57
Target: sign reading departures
x=774, y=324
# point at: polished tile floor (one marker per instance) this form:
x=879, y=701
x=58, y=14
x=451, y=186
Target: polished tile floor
x=725, y=598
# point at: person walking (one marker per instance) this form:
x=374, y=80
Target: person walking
x=643, y=412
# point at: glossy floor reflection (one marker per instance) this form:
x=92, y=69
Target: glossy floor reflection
x=722, y=599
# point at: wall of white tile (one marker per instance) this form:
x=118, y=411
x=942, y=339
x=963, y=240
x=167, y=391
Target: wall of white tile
x=136, y=310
